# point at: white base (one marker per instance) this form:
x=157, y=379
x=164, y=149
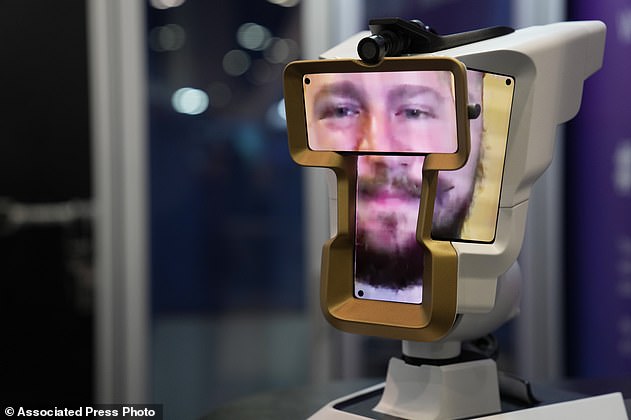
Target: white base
x=440, y=392
x=463, y=390
x=432, y=392
x=609, y=406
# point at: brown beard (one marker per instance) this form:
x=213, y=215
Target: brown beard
x=397, y=270
x=403, y=267
x=451, y=228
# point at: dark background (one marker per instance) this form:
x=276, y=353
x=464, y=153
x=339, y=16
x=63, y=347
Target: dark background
x=46, y=328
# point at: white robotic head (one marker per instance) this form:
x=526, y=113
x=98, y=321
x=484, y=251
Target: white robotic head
x=471, y=175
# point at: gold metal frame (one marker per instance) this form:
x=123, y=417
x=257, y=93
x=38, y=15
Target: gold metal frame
x=432, y=319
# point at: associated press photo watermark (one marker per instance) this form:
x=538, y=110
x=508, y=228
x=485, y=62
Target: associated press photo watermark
x=94, y=411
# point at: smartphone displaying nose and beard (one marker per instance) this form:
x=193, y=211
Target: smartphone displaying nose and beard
x=391, y=120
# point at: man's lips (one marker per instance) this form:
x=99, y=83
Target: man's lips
x=379, y=193
x=384, y=195
x=393, y=197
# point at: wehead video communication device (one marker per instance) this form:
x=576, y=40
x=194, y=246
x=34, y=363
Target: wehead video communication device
x=435, y=143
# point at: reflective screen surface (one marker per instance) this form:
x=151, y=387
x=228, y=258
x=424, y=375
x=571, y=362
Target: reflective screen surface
x=387, y=112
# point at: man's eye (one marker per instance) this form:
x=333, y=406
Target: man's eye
x=414, y=113
x=345, y=112
x=340, y=111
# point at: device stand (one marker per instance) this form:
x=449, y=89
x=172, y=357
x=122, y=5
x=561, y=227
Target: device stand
x=450, y=391
x=462, y=389
x=440, y=387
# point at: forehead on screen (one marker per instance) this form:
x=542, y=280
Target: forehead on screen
x=368, y=83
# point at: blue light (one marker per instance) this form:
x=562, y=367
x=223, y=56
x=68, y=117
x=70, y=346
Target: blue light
x=189, y=101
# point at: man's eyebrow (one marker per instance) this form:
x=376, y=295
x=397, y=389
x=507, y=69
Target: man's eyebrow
x=408, y=91
x=343, y=88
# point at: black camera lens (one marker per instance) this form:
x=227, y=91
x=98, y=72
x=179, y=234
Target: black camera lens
x=372, y=49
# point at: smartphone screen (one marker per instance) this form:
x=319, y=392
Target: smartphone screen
x=386, y=116
x=385, y=112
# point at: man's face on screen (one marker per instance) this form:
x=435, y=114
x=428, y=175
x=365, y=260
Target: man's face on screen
x=407, y=112
x=388, y=196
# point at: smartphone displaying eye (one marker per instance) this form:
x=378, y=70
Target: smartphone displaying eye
x=392, y=119
x=385, y=112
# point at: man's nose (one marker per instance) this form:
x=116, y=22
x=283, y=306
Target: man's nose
x=386, y=167
x=376, y=136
